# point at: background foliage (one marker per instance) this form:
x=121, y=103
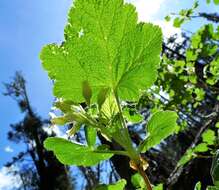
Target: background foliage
x=187, y=84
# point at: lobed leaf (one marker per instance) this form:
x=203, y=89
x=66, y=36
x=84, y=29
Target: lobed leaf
x=105, y=46
x=119, y=185
x=70, y=153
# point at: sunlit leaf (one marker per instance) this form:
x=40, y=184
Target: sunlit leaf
x=160, y=126
x=137, y=181
x=202, y=147
x=158, y=187
x=86, y=91
x=70, y=153
x=198, y=186
x=90, y=134
x=106, y=46
x=132, y=116
x=120, y=185
x=209, y=137
x=186, y=157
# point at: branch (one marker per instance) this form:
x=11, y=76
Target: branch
x=179, y=169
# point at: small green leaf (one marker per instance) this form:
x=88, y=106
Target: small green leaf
x=90, y=134
x=186, y=157
x=160, y=126
x=109, y=107
x=200, y=94
x=202, y=147
x=198, y=186
x=209, y=137
x=70, y=153
x=59, y=120
x=79, y=117
x=178, y=22
x=217, y=125
x=120, y=185
x=167, y=18
x=195, y=5
x=64, y=106
x=132, y=116
x=74, y=129
x=102, y=95
x=137, y=181
x=184, y=12
x=196, y=40
x=191, y=55
x=158, y=187
x=86, y=91
x=68, y=118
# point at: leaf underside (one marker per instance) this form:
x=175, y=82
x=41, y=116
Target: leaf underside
x=119, y=185
x=160, y=126
x=105, y=46
x=74, y=154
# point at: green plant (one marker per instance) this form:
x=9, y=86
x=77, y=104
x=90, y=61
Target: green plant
x=106, y=59
x=214, y=174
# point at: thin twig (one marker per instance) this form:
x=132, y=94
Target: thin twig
x=179, y=169
x=145, y=177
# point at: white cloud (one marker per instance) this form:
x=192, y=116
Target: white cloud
x=56, y=129
x=169, y=30
x=8, y=149
x=148, y=11
x=7, y=180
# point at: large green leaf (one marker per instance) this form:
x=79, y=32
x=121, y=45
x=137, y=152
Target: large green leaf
x=120, y=185
x=161, y=125
x=105, y=46
x=74, y=154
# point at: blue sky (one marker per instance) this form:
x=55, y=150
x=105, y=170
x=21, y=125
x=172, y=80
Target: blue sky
x=25, y=26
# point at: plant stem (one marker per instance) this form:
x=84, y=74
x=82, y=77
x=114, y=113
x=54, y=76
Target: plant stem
x=145, y=177
x=118, y=152
x=120, y=111
x=127, y=141
x=130, y=149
